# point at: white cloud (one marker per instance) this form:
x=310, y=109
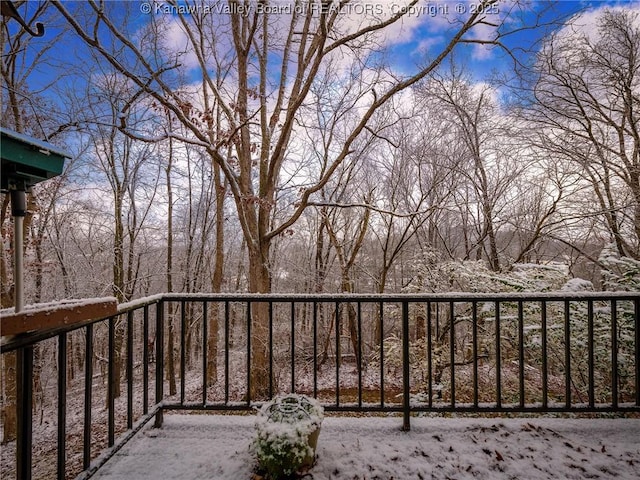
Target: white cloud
x=176, y=41
x=586, y=23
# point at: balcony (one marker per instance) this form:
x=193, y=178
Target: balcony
x=404, y=356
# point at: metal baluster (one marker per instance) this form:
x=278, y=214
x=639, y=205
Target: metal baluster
x=293, y=347
x=406, y=378
x=226, y=352
x=271, y=393
x=62, y=405
x=381, y=308
x=430, y=354
x=590, y=341
x=24, y=412
x=159, y=362
x=338, y=353
x=130, y=370
x=249, y=353
x=88, y=396
x=545, y=387
x=567, y=353
x=614, y=354
x=145, y=360
x=111, y=384
x=452, y=353
x=636, y=316
x=205, y=343
x=315, y=349
x=183, y=342
x=474, y=340
x=359, y=366
x=498, y=359
x=521, y=353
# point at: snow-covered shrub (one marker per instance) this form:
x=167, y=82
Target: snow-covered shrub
x=620, y=273
x=287, y=434
x=432, y=275
x=575, y=285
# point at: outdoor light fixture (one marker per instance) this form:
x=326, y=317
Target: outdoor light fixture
x=26, y=161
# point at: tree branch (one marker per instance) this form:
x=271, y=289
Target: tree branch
x=368, y=206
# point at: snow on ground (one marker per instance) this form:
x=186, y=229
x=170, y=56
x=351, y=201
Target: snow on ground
x=213, y=447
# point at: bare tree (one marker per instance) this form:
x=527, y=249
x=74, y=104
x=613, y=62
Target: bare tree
x=129, y=172
x=471, y=113
x=269, y=64
x=585, y=96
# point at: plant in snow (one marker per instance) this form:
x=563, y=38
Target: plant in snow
x=287, y=434
x=588, y=330
x=432, y=275
x=621, y=273
x=577, y=285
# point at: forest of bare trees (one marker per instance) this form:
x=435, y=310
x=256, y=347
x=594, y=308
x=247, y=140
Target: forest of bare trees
x=283, y=153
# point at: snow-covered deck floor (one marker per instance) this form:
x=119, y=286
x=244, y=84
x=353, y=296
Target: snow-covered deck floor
x=213, y=447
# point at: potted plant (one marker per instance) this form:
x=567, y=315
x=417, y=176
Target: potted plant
x=287, y=435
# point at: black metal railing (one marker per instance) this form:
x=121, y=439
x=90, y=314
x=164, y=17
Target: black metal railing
x=366, y=353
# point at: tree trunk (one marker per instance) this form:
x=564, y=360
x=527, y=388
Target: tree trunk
x=9, y=400
x=259, y=282
x=216, y=279
x=170, y=356
x=118, y=289
x=352, y=321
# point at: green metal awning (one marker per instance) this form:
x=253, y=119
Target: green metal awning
x=27, y=161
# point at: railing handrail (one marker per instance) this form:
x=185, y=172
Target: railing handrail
x=9, y=344
x=404, y=297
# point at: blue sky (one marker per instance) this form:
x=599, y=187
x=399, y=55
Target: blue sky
x=433, y=32
x=422, y=34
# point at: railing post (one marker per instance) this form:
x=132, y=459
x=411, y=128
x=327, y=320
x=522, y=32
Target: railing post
x=381, y=340
x=293, y=346
x=406, y=390
x=145, y=360
x=430, y=353
x=130, y=370
x=24, y=405
x=159, y=361
x=183, y=353
x=111, y=383
x=248, y=353
x=205, y=346
x=614, y=354
x=452, y=352
x=62, y=404
x=474, y=341
x=498, y=357
x=521, y=378
x=359, y=353
x=88, y=396
x=271, y=350
x=226, y=352
x=545, y=365
x=315, y=349
x=591, y=353
x=338, y=353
